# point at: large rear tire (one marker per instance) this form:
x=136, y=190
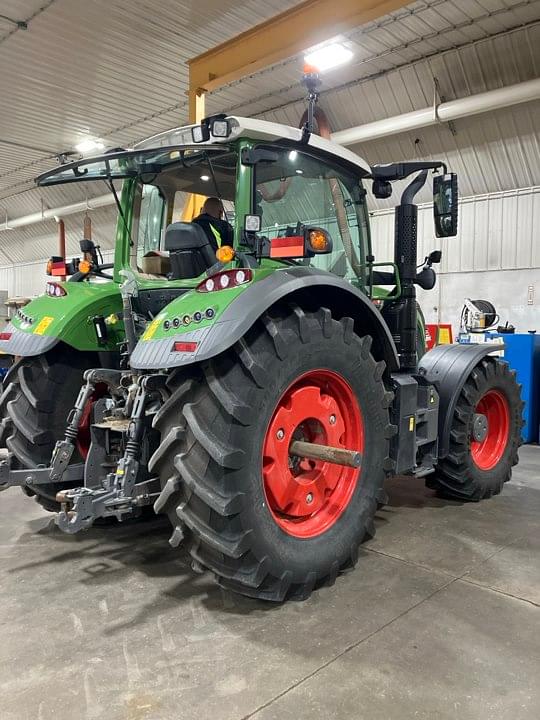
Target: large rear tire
x=39, y=393
x=482, y=452
x=266, y=526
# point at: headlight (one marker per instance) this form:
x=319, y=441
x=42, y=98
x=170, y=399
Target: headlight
x=220, y=128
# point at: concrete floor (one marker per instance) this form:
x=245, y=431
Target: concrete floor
x=440, y=620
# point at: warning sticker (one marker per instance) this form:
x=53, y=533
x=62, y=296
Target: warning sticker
x=151, y=329
x=43, y=324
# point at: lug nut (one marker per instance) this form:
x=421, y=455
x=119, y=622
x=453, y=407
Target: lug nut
x=332, y=419
x=280, y=434
x=309, y=498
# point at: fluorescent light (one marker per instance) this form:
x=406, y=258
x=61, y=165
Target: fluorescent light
x=328, y=56
x=89, y=145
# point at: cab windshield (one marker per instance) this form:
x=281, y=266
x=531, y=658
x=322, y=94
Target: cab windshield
x=171, y=184
x=301, y=189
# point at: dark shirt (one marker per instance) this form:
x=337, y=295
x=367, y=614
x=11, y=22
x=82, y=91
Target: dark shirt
x=221, y=227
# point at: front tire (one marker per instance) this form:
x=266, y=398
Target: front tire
x=294, y=374
x=482, y=452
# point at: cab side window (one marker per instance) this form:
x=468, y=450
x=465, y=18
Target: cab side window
x=300, y=189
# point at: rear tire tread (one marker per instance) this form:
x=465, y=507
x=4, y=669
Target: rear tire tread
x=199, y=495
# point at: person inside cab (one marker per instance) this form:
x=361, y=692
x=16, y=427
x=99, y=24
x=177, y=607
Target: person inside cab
x=218, y=230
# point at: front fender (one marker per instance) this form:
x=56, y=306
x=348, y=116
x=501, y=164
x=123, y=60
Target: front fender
x=45, y=321
x=447, y=367
x=246, y=308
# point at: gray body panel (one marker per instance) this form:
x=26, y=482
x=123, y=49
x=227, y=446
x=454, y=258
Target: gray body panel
x=243, y=312
x=447, y=367
x=26, y=344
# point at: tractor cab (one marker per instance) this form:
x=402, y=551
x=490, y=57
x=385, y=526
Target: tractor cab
x=274, y=188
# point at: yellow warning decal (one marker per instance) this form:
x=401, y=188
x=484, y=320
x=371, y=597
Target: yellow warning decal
x=151, y=329
x=411, y=424
x=43, y=324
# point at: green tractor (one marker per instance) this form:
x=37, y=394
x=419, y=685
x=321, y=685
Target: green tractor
x=262, y=391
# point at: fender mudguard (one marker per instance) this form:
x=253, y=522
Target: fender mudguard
x=46, y=321
x=447, y=367
x=23, y=344
x=322, y=288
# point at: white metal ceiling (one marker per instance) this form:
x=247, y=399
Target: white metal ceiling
x=115, y=69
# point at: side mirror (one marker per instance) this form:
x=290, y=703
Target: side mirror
x=434, y=257
x=382, y=189
x=445, y=205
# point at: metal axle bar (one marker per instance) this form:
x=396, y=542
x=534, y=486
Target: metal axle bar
x=327, y=453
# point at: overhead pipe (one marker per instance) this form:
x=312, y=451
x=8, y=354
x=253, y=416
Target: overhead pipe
x=444, y=112
x=58, y=212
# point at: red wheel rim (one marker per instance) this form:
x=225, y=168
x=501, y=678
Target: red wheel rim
x=306, y=497
x=487, y=453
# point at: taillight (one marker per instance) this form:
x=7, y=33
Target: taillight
x=225, y=279
x=56, y=266
x=55, y=290
x=185, y=346
x=5, y=336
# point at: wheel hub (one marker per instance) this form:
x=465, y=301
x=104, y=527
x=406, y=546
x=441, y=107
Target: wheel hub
x=480, y=427
x=489, y=438
x=306, y=496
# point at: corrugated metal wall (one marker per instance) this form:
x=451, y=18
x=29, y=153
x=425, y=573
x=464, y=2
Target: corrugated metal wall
x=496, y=257
x=29, y=278
x=500, y=231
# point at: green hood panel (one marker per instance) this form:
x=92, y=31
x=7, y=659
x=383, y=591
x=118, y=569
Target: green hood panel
x=69, y=318
x=182, y=313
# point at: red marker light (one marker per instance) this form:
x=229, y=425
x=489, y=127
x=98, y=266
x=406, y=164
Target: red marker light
x=180, y=346
x=5, y=336
x=283, y=247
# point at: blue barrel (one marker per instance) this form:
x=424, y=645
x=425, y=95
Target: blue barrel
x=522, y=353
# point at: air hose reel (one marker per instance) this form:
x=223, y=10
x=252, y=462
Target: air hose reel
x=478, y=316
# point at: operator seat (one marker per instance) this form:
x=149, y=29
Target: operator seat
x=189, y=250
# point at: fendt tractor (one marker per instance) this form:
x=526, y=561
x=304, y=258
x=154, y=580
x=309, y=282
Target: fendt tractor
x=260, y=394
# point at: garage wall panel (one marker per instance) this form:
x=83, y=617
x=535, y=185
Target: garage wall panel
x=30, y=279
x=495, y=232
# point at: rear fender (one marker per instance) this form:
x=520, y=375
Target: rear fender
x=46, y=321
x=312, y=288
x=447, y=367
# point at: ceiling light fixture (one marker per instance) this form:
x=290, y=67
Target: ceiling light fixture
x=328, y=56
x=205, y=178
x=89, y=145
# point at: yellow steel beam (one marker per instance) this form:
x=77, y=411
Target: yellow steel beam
x=282, y=36
x=196, y=105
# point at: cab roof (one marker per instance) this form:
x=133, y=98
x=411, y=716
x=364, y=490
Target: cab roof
x=257, y=130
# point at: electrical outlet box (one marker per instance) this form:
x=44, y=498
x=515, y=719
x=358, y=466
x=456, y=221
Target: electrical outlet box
x=530, y=295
